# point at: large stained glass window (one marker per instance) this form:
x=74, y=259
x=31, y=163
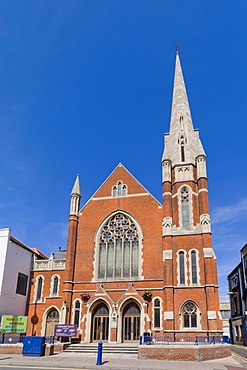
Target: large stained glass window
x=118, y=249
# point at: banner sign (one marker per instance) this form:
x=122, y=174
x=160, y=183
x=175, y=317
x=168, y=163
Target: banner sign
x=14, y=324
x=63, y=330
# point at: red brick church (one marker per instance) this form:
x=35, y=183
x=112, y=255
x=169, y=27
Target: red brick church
x=133, y=264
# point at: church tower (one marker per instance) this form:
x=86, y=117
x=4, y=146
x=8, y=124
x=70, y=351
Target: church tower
x=190, y=273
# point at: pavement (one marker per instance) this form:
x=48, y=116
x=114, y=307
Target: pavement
x=67, y=360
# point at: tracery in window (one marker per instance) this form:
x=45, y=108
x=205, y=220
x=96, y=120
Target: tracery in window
x=119, y=190
x=157, y=313
x=189, y=315
x=185, y=207
x=118, y=249
x=181, y=268
x=193, y=267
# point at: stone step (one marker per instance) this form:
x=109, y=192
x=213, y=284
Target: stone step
x=107, y=348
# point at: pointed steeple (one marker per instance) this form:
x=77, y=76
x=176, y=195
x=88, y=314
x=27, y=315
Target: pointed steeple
x=76, y=187
x=182, y=144
x=180, y=115
x=75, y=198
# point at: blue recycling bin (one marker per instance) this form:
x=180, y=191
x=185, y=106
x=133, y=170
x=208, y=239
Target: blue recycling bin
x=33, y=346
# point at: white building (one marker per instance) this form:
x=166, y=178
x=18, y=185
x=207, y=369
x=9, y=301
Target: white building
x=15, y=266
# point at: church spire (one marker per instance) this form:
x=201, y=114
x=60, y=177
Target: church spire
x=182, y=144
x=180, y=115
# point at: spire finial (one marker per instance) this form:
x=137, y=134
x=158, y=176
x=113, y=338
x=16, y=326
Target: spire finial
x=177, y=46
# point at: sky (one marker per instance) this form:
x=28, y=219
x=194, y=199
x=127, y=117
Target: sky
x=85, y=85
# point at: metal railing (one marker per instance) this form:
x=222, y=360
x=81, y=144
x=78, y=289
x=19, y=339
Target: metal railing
x=196, y=340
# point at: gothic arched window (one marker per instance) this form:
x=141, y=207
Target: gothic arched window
x=185, y=207
x=118, y=249
x=190, y=315
x=157, y=313
x=119, y=190
x=181, y=268
x=39, y=283
x=77, y=309
x=193, y=267
x=55, y=281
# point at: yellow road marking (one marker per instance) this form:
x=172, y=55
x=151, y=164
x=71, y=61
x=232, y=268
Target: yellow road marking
x=239, y=356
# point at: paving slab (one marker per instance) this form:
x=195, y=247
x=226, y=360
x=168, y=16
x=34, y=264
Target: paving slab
x=66, y=360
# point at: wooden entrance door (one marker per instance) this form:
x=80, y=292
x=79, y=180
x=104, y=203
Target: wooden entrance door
x=100, y=330
x=131, y=323
x=51, y=321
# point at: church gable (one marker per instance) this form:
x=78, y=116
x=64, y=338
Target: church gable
x=121, y=183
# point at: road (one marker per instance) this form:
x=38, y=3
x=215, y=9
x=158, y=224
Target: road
x=240, y=353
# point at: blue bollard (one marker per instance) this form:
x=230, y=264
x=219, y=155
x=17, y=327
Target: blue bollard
x=99, y=356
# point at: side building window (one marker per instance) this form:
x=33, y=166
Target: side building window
x=118, y=249
x=21, y=287
x=181, y=259
x=39, y=288
x=157, y=315
x=77, y=310
x=185, y=208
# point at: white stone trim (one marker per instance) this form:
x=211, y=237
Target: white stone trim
x=211, y=315
x=167, y=226
x=201, y=166
x=168, y=315
x=202, y=189
x=167, y=193
x=208, y=253
x=205, y=223
x=166, y=170
x=167, y=255
x=127, y=196
x=184, y=173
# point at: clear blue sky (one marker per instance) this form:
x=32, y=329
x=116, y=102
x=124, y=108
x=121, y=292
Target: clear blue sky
x=88, y=84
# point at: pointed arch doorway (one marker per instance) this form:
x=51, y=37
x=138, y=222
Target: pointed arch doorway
x=100, y=323
x=131, y=322
x=51, y=320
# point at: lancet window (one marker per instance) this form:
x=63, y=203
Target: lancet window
x=118, y=249
x=119, y=190
x=181, y=268
x=185, y=207
x=77, y=309
x=193, y=267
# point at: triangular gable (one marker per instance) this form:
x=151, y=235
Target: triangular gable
x=100, y=293
x=120, y=173
x=131, y=290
